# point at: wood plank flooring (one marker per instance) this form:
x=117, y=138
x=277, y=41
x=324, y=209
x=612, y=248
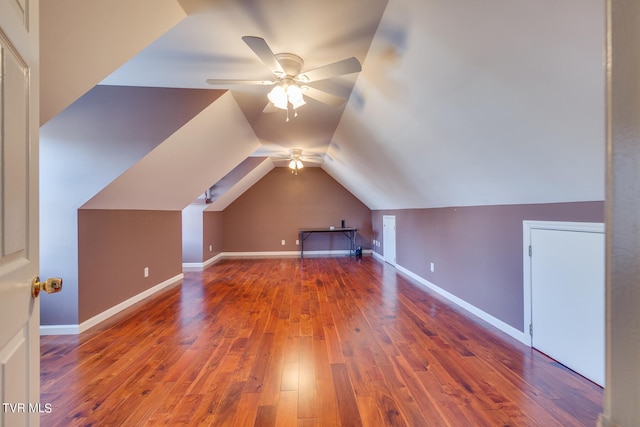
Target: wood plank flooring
x=314, y=342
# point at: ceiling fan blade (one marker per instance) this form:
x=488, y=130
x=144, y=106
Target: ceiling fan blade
x=264, y=52
x=314, y=160
x=227, y=83
x=346, y=66
x=324, y=97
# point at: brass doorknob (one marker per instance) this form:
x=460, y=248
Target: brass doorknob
x=50, y=286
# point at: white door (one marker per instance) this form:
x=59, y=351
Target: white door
x=19, y=311
x=567, y=299
x=389, y=238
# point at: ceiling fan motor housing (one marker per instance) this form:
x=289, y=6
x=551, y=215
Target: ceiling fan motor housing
x=292, y=64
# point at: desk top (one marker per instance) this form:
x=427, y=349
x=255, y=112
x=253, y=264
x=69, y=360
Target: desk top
x=326, y=229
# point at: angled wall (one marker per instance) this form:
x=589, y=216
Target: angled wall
x=81, y=151
x=170, y=177
x=198, y=246
x=473, y=104
x=82, y=42
x=150, y=196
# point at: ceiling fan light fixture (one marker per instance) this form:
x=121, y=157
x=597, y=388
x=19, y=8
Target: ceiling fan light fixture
x=295, y=96
x=295, y=165
x=290, y=82
x=278, y=97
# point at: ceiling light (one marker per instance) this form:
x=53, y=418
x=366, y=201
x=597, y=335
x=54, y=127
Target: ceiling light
x=295, y=96
x=295, y=165
x=284, y=93
x=278, y=97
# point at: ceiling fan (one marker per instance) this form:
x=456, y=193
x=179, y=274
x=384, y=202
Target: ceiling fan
x=296, y=159
x=290, y=83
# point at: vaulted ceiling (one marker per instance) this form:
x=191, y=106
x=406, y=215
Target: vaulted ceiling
x=457, y=103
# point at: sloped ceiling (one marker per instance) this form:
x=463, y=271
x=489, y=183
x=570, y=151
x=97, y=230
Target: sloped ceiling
x=81, y=42
x=464, y=103
x=208, y=44
x=178, y=170
x=458, y=103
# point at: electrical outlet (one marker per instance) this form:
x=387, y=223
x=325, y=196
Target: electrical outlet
x=146, y=272
x=297, y=242
x=210, y=248
x=433, y=267
x=283, y=243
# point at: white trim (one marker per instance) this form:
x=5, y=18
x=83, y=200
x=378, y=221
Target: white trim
x=59, y=330
x=201, y=265
x=527, y=227
x=493, y=321
x=78, y=329
x=222, y=255
x=260, y=254
x=341, y=252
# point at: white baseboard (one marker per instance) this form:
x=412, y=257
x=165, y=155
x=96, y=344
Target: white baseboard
x=201, y=265
x=194, y=266
x=341, y=252
x=493, y=321
x=59, y=330
x=77, y=329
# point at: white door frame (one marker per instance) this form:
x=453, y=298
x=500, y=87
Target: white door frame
x=527, y=227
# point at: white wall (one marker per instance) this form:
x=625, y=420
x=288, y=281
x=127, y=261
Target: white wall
x=192, y=233
x=477, y=103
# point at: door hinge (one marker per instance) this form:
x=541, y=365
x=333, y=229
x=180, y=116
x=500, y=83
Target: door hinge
x=530, y=250
x=531, y=329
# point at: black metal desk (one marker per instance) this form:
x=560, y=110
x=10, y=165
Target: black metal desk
x=350, y=232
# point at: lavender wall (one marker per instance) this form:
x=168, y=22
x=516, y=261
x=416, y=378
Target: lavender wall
x=477, y=251
x=114, y=248
x=212, y=230
x=280, y=203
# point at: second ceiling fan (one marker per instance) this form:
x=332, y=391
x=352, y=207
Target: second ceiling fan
x=290, y=83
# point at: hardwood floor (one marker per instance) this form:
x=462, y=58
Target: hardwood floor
x=319, y=342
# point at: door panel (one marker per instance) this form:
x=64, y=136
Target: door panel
x=567, y=299
x=389, y=238
x=19, y=311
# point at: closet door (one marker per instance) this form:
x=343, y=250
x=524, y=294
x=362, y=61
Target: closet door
x=567, y=299
x=389, y=238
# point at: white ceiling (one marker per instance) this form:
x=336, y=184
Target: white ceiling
x=459, y=103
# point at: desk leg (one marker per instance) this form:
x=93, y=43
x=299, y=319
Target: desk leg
x=353, y=243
